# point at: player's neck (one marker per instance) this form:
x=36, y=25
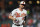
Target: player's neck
x=20, y=9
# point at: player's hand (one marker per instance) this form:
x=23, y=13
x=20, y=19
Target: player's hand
x=16, y=21
x=24, y=23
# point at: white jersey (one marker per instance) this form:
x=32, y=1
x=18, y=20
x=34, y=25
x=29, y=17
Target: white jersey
x=16, y=13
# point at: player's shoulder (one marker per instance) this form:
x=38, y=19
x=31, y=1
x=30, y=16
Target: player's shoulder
x=24, y=10
x=15, y=9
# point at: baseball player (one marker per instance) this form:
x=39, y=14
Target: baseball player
x=18, y=14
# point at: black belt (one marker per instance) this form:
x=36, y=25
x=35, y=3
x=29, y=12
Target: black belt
x=17, y=25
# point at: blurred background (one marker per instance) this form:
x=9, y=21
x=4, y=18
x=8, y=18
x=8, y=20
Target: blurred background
x=32, y=7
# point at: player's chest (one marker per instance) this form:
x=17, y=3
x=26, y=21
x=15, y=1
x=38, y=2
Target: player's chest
x=20, y=13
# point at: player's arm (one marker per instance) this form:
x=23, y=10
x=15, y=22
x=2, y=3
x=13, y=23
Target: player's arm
x=25, y=18
x=11, y=15
x=13, y=18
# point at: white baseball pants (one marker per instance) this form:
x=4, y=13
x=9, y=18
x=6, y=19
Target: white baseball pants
x=16, y=26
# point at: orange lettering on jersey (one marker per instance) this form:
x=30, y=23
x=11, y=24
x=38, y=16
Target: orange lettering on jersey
x=23, y=14
x=17, y=14
x=22, y=18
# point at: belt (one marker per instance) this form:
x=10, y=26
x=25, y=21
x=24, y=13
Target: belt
x=17, y=25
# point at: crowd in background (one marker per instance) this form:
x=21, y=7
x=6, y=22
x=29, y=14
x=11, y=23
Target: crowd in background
x=32, y=18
